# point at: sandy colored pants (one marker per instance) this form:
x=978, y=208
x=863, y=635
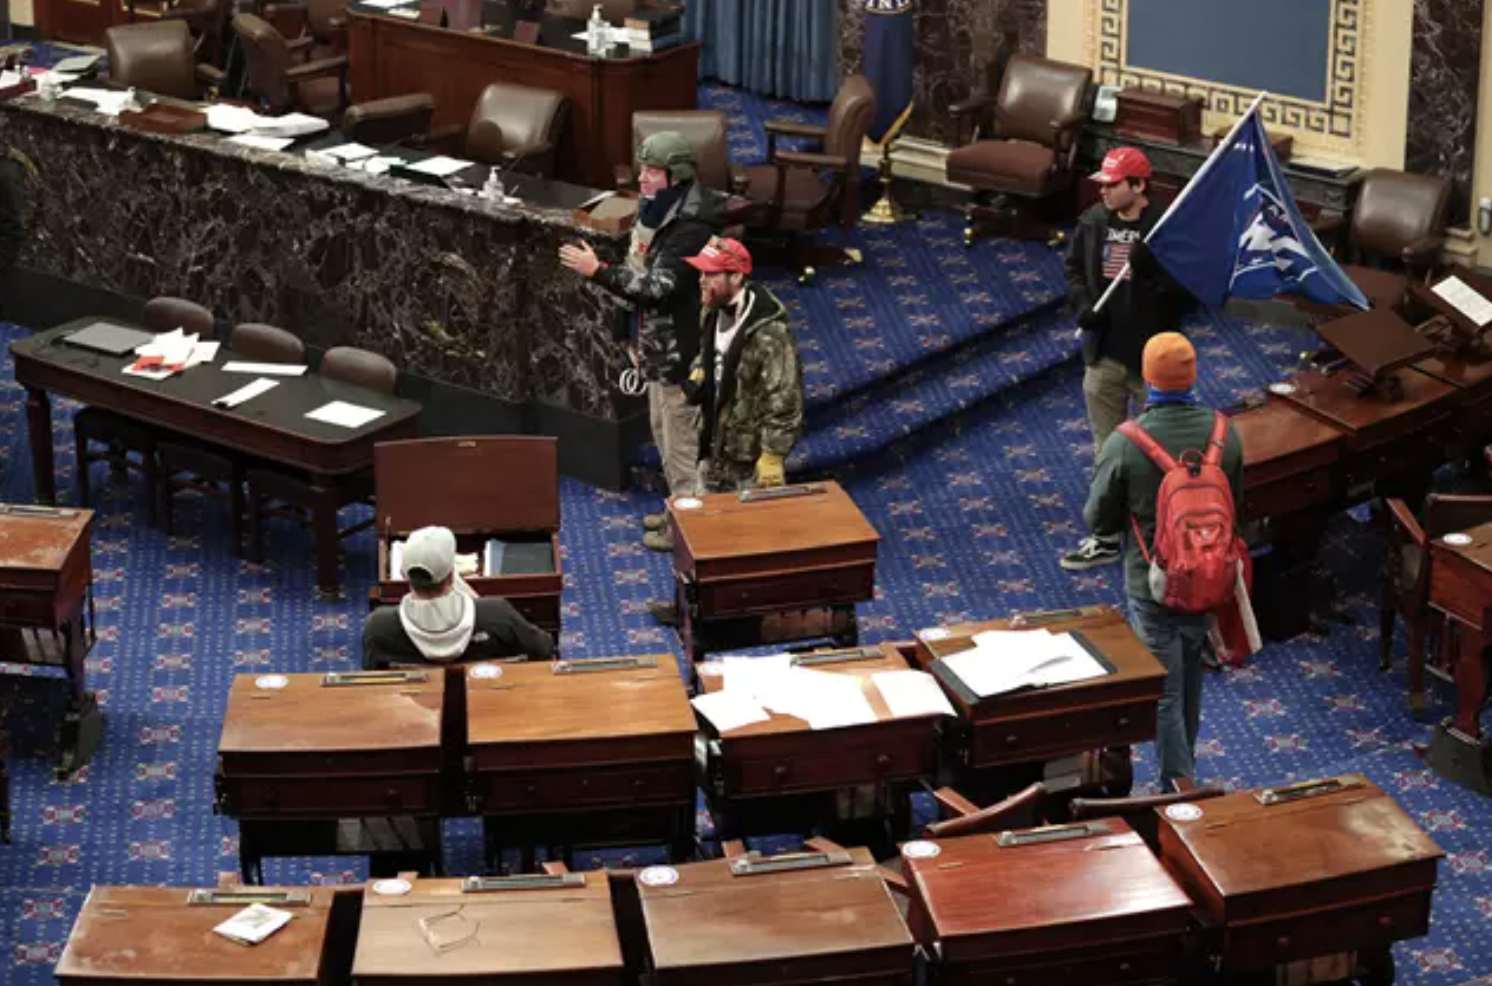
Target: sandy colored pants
x=1108, y=390
x=676, y=433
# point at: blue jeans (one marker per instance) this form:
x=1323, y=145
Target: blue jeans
x=1176, y=640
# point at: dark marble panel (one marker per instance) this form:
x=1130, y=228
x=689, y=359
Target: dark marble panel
x=1444, y=80
x=451, y=288
x=956, y=42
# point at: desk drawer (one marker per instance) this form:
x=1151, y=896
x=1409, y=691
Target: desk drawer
x=1059, y=734
x=329, y=797
x=1287, y=495
x=1339, y=929
x=832, y=766
x=27, y=609
x=797, y=590
x=1158, y=963
x=552, y=790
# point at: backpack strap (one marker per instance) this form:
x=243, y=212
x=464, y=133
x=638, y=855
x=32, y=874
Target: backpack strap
x=1215, y=441
x=1152, y=449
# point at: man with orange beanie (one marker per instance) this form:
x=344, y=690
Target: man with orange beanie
x=1125, y=484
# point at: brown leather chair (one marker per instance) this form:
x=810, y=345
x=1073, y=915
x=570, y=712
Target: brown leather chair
x=208, y=22
x=120, y=435
x=158, y=57
x=1027, y=150
x=516, y=126
x=320, y=25
x=398, y=119
x=791, y=193
x=706, y=130
x=317, y=87
x=615, y=11
x=275, y=492
x=260, y=343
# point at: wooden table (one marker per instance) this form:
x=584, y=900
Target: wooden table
x=782, y=775
x=1341, y=870
x=391, y=56
x=750, y=572
x=1461, y=588
x=1094, y=907
x=1118, y=709
x=151, y=935
x=313, y=768
x=561, y=755
x=1290, y=460
x=834, y=923
x=563, y=934
x=46, y=611
x=271, y=427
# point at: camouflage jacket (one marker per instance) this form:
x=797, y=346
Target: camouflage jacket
x=758, y=405
x=665, y=290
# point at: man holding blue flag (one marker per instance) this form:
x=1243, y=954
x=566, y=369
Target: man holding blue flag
x=890, y=34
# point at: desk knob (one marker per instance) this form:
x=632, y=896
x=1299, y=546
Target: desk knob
x=391, y=797
x=1284, y=942
x=1386, y=922
x=883, y=761
x=780, y=771
x=1012, y=740
x=1124, y=966
x=1123, y=721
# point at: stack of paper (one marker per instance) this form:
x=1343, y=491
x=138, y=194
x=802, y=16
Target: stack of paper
x=911, y=693
x=1006, y=660
x=344, y=414
x=290, y=125
x=253, y=924
x=242, y=120
x=169, y=352
x=1465, y=299
x=755, y=685
x=232, y=119
x=108, y=101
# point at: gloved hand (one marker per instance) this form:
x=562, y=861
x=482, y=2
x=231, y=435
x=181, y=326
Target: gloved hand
x=693, y=383
x=1090, y=320
x=769, y=471
x=1142, y=261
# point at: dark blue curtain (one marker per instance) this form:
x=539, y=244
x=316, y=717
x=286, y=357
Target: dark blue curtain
x=783, y=48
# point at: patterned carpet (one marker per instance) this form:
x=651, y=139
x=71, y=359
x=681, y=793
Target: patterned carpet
x=972, y=465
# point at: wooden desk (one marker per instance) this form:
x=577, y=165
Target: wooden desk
x=835, y=923
x=391, y=56
x=564, y=935
x=46, y=584
x=750, y=573
x=1461, y=588
x=297, y=765
x=1471, y=377
x=584, y=757
x=783, y=775
x=150, y=935
x=1096, y=908
x=1289, y=460
x=1118, y=709
x=1337, y=872
x=272, y=426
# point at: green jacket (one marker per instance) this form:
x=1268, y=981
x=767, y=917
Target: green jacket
x=1126, y=482
x=759, y=402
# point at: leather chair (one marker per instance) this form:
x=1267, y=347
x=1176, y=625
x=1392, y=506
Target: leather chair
x=317, y=87
x=212, y=470
x=707, y=131
x=120, y=435
x=158, y=57
x=791, y=194
x=516, y=126
x=615, y=11
x=1027, y=151
x=208, y=22
x=320, y=25
x=398, y=119
x=276, y=492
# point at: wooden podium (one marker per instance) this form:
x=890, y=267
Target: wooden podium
x=1304, y=871
x=46, y=611
x=501, y=490
x=768, y=566
x=1461, y=588
x=1082, y=903
x=581, y=752
x=350, y=763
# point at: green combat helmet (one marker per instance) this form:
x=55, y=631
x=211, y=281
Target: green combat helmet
x=669, y=149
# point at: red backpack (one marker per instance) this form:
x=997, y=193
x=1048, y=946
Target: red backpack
x=1194, y=567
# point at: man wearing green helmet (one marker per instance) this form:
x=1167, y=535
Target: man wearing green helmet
x=675, y=219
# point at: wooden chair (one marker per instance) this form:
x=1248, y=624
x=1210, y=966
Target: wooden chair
x=121, y=435
x=212, y=470
x=278, y=493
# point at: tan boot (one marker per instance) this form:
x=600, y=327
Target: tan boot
x=658, y=541
x=654, y=522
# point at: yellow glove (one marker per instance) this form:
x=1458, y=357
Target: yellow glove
x=769, y=470
x=697, y=376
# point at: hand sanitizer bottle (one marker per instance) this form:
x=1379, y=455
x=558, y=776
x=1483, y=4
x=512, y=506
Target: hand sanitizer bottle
x=595, y=32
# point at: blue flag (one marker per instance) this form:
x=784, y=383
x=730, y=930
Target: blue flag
x=1235, y=230
x=890, y=33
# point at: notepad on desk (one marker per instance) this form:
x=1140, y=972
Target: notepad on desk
x=1003, y=661
x=439, y=166
x=344, y=414
x=253, y=924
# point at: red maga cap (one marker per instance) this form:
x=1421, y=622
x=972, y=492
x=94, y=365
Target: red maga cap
x=722, y=255
x=1122, y=163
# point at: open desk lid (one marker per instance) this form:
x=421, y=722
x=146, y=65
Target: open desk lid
x=471, y=484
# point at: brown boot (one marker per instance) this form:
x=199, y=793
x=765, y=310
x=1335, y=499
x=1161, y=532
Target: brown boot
x=665, y=613
x=654, y=522
x=658, y=541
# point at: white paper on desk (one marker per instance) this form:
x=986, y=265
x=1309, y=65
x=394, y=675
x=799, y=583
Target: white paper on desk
x=106, y=101
x=266, y=369
x=1465, y=299
x=912, y=693
x=385, y=4
x=1005, y=660
x=247, y=392
x=751, y=677
x=377, y=165
x=232, y=119
x=61, y=78
x=345, y=414
x=350, y=152
x=291, y=125
x=822, y=699
x=440, y=166
x=157, y=374
x=729, y=710
x=175, y=348
x=202, y=352
x=9, y=78
x=253, y=924
x=261, y=141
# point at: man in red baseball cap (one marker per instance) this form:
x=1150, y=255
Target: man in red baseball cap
x=1110, y=236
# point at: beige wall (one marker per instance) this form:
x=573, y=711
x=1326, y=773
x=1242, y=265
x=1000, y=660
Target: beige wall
x=20, y=12
x=1482, y=181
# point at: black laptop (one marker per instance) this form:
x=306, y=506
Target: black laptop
x=106, y=337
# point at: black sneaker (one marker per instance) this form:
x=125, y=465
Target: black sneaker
x=1091, y=552
x=665, y=613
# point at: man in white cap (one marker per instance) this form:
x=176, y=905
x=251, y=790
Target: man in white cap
x=441, y=619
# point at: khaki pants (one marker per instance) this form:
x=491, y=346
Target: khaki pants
x=675, y=425
x=1108, y=390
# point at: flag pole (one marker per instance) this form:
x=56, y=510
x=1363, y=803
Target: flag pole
x=1206, y=167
